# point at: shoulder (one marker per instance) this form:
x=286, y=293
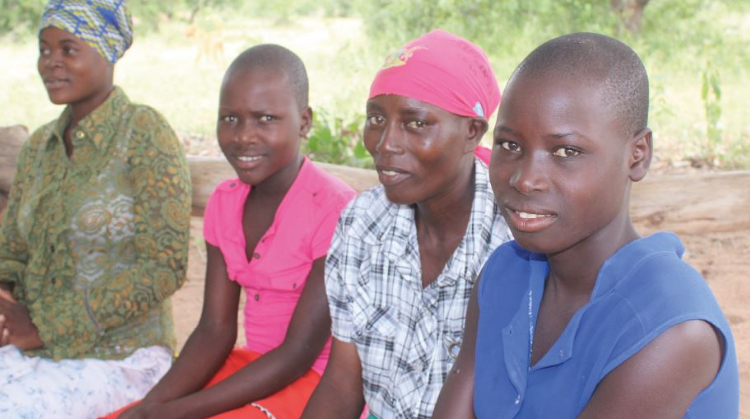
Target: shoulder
x=507, y=268
x=370, y=211
x=226, y=191
x=40, y=136
x=652, y=291
x=326, y=189
x=144, y=118
x=659, y=284
x=149, y=128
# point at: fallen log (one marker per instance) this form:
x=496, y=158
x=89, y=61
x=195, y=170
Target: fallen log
x=207, y=172
x=693, y=203
x=11, y=140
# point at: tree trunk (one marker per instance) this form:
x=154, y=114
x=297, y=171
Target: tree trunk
x=694, y=203
x=11, y=140
x=630, y=13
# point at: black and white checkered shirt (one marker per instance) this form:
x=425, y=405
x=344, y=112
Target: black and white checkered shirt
x=406, y=336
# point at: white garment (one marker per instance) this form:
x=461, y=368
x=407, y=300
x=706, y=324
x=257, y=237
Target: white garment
x=32, y=388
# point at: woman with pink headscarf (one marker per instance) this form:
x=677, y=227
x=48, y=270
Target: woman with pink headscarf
x=405, y=254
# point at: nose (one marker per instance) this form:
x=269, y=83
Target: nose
x=50, y=60
x=390, y=140
x=529, y=175
x=247, y=131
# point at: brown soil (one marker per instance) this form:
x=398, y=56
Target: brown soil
x=722, y=258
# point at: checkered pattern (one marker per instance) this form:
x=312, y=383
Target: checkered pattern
x=406, y=336
x=105, y=25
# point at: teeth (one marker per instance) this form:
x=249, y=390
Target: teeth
x=248, y=158
x=527, y=216
x=389, y=172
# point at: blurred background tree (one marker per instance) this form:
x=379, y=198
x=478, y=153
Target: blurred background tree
x=694, y=50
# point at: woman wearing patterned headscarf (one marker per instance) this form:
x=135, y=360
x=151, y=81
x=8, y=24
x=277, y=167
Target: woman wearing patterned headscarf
x=94, y=239
x=403, y=259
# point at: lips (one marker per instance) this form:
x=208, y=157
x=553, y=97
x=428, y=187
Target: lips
x=52, y=83
x=390, y=176
x=247, y=161
x=529, y=220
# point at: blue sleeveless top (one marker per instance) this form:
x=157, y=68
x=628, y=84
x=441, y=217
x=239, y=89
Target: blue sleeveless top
x=642, y=290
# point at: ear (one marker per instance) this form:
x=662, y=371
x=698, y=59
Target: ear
x=641, y=150
x=476, y=129
x=306, y=119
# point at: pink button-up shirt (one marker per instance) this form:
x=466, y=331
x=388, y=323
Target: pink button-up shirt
x=275, y=276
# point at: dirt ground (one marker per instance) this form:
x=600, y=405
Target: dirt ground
x=723, y=258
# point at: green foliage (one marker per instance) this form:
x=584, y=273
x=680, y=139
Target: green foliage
x=711, y=96
x=20, y=17
x=333, y=140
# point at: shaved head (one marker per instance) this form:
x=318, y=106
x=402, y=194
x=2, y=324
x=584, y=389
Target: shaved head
x=596, y=60
x=278, y=60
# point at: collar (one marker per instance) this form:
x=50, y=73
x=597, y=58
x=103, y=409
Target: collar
x=614, y=270
x=400, y=244
x=87, y=128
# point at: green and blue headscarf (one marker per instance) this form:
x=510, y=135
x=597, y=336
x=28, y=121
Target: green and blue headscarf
x=105, y=25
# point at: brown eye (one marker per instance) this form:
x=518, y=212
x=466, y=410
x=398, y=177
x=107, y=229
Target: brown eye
x=566, y=152
x=509, y=145
x=375, y=120
x=416, y=124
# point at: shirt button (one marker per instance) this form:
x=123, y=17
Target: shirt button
x=52, y=248
x=80, y=135
x=256, y=255
x=562, y=353
x=256, y=297
x=518, y=399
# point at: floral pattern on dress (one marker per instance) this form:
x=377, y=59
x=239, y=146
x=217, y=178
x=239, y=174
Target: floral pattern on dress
x=98, y=242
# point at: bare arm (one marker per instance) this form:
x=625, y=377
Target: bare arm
x=663, y=379
x=339, y=394
x=308, y=332
x=209, y=344
x=16, y=326
x=456, y=399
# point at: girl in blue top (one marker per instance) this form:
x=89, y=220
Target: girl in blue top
x=580, y=317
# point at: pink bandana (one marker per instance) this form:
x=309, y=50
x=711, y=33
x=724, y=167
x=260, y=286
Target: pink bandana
x=444, y=70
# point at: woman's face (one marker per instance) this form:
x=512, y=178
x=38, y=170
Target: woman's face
x=260, y=126
x=72, y=71
x=419, y=150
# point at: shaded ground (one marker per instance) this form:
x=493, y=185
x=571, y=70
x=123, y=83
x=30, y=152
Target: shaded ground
x=723, y=258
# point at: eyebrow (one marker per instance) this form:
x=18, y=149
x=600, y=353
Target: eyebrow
x=557, y=136
x=64, y=41
x=408, y=111
x=503, y=128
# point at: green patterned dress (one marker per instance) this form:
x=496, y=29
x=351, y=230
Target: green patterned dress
x=96, y=244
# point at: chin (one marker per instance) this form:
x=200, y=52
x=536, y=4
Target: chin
x=398, y=198
x=57, y=99
x=532, y=242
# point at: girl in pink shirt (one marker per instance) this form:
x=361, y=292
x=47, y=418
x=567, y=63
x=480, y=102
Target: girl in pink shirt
x=267, y=231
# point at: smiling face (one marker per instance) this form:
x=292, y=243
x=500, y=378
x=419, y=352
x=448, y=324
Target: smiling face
x=260, y=126
x=561, y=166
x=420, y=151
x=72, y=71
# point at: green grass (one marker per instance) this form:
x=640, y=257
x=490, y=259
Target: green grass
x=161, y=70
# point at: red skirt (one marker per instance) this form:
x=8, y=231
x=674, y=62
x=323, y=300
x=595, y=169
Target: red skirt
x=288, y=403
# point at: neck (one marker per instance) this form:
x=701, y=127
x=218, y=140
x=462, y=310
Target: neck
x=446, y=215
x=78, y=111
x=278, y=184
x=574, y=270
